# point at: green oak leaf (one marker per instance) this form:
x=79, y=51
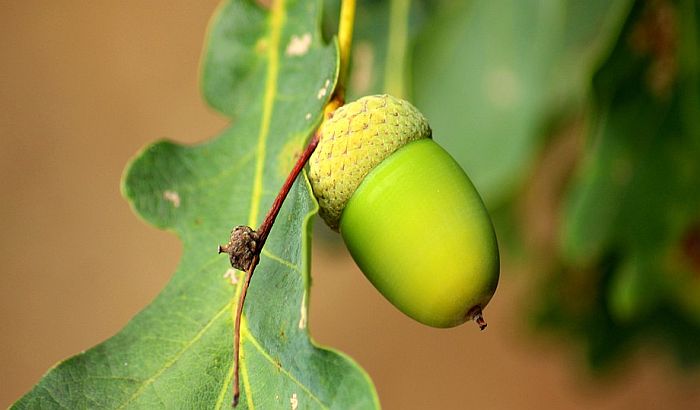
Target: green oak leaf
x=271, y=71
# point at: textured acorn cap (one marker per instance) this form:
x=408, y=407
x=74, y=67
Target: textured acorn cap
x=358, y=137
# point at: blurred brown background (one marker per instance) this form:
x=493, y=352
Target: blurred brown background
x=84, y=85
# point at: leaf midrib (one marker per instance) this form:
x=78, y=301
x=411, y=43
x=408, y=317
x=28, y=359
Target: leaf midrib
x=276, y=21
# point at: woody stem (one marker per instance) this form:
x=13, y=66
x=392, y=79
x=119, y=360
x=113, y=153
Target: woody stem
x=269, y=220
x=263, y=232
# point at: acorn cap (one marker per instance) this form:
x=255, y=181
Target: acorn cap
x=355, y=139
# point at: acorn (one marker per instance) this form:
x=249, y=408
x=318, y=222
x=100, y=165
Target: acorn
x=407, y=212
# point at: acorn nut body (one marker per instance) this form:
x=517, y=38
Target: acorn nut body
x=409, y=215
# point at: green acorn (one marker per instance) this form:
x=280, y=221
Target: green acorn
x=409, y=215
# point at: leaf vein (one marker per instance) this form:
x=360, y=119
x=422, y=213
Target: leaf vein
x=175, y=358
x=281, y=260
x=224, y=387
x=272, y=361
x=55, y=400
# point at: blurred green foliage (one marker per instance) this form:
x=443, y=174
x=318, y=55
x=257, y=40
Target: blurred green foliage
x=582, y=116
x=632, y=211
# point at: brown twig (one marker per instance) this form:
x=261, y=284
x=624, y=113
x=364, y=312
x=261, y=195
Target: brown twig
x=237, y=327
x=269, y=220
x=244, y=249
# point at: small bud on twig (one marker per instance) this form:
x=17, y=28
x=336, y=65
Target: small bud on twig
x=242, y=247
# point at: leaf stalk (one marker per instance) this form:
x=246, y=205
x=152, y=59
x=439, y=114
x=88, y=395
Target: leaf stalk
x=345, y=30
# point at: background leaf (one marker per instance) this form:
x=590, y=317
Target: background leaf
x=382, y=44
x=632, y=212
x=271, y=70
x=487, y=74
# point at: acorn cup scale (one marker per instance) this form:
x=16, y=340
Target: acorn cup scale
x=409, y=215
